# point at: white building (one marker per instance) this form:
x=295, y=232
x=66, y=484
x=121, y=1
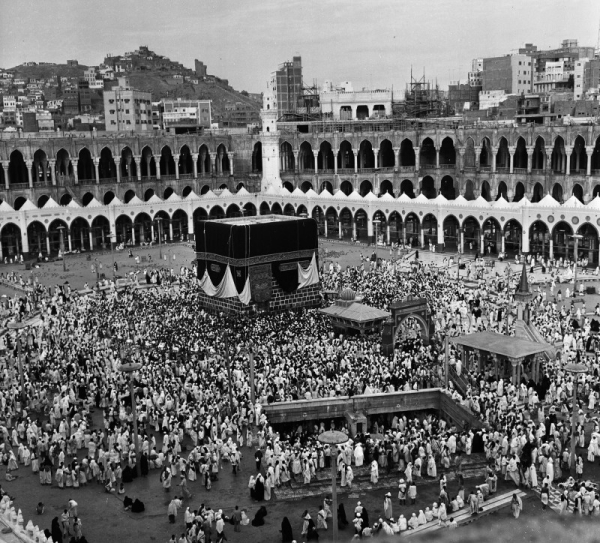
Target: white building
x=343, y=103
x=578, y=78
x=191, y=113
x=127, y=109
x=494, y=98
x=9, y=103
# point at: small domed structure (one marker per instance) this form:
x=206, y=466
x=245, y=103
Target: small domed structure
x=348, y=295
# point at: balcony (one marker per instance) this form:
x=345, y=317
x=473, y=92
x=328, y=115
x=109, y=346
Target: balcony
x=407, y=169
x=520, y=171
x=503, y=169
x=18, y=186
x=447, y=166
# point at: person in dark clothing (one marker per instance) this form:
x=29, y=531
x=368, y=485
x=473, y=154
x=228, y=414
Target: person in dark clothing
x=259, y=518
x=342, y=520
x=127, y=474
x=365, y=517
x=57, y=535
x=287, y=535
x=259, y=489
x=312, y=534
x=144, y=464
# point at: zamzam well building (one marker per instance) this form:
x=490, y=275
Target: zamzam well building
x=512, y=189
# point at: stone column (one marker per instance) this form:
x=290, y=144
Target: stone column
x=511, y=151
x=551, y=254
x=137, y=160
x=376, y=156
x=118, y=170
x=6, y=176
x=482, y=244
x=397, y=157
x=478, y=158
x=213, y=163
x=568, y=152
x=354, y=228
x=296, y=161
x=494, y=152
x=422, y=236
x=417, y=161
x=437, y=157
x=75, y=162
x=340, y=229
x=461, y=232
x=316, y=155
x=503, y=244
x=157, y=162
x=29, y=164
x=371, y=231
x=589, y=151
x=48, y=243
x=355, y=161
x=440, y=234
x=335, y=160
x=91, y=239
x=96, y=171
x=69, y=241
x=177, y=170
x=152, y=231
x=387, y=232
x=231, y=157
x=195, y=164
x=325, y=224
x=171, y=230
x=529, y=158
x=461, y=159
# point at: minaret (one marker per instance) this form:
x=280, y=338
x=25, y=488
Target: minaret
x=269, y=138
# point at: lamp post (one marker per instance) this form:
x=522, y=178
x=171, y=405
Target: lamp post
x=18, y=326
x=112, y=250
x=576, y=237
x=61, y=229
x=574, y=369
x=128, y=366
x=159, y=220
x=333, y=438
x=376, y=223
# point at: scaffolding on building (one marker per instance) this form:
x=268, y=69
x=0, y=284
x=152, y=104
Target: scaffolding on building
x=421, y=99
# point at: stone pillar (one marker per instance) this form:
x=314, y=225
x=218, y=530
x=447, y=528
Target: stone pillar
x=137, y=160
x=316, y=155
x=231, y=157
x=69, y=241
x=75, y=162
x=335, y=161
x=482, y=244
x=29, y=164
x=325, y=224
x=96, y=171
x=551, y=254
x=91, y=239
x=568, y=152
x=417, y=161
x=376, y=155
x=511, y=151
x=403, y=234
x=589, y=151
x=354, y=228
x=340, y=229
x=461, y=232
x=152, y=231
x=195, y=164
x=118, y=170
x=477, y=158
x=437, y=157
x=177, y=170
x=503, y=244
x=494, y=151
x=440, y=234
x=157, y=162
x=355, y=161
x=529, y=158
x=48, y=243
x=461, y=159
x=387, y=233
x=397, y=157
x=422, y=236
x=370, y=231
x=133, y=240
x=171, y=230
x=6, y=176
x=296, y=161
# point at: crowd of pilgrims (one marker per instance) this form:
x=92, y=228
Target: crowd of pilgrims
x=72, y=368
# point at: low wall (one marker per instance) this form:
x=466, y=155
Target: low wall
x=372, y=404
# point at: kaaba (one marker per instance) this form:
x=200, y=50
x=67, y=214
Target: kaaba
x=266, y=263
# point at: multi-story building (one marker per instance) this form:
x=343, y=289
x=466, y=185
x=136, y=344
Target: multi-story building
x=463, y=96
x=287, y=85
x=509, y=73
x=127, y=109
x=71, y=101
x=591, y=76
x=186, y=115
x=343, y=103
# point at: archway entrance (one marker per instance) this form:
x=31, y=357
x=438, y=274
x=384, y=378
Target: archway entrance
x=588, y=246
x=563, y=242
x=513, y=235
x=451, y=232
x=430, y=230
x=539, y=239
x=11, y=241
x=472, y=234
x=492, y=236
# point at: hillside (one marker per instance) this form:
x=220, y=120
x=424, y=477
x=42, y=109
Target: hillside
x=159, y=82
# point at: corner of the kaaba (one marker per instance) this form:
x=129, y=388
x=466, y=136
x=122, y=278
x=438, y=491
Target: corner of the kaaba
x=264, y=250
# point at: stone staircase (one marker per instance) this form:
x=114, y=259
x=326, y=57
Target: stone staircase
x=472, y=466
